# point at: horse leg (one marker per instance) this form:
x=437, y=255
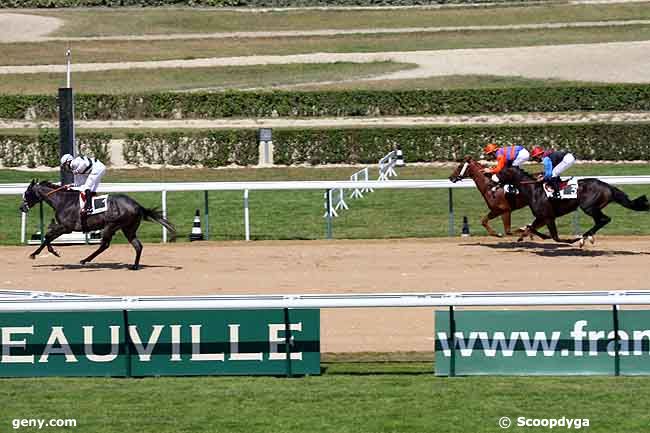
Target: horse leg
x=485, y=222
x=552, y=228
x=531, y=229
x=541, y=235
x=51, y=234
x=506, y=223
x=600, y=221
x=107, y=236
x=130, y=233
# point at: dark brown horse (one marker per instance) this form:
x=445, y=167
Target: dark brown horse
x=499, y=203
x=593, y=196
x=123, y=213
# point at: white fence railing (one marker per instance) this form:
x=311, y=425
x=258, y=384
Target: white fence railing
x=246, y=187
x=347, y=300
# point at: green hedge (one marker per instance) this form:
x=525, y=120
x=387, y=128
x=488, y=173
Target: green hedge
x=228, y=3
x=612, y=142
x=211, y=149
x=333, y=103
x=625, y=142
x=43, y=149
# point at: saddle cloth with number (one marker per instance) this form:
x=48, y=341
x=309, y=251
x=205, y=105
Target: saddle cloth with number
x=100, y=203
x=568, y=189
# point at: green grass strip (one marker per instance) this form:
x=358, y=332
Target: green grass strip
x=299, y=214
x=32, y=53
x=346, y=399
x=115, y=22
x=188, y=79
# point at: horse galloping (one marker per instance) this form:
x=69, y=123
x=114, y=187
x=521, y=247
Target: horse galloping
x=499, y=203
x=122, y=213
x=593, y=196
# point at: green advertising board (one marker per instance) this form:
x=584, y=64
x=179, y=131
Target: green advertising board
x=62, y=344
x=160, y=343
x=576, y=342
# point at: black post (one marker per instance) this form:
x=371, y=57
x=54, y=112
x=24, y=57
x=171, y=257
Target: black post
x=328, y=214
x=452, y=342
x=617, y=343
x=206, y=215
x=42, y=222
x=127, y=342
x=66, y=129
x=287, y=339
x=451, y=212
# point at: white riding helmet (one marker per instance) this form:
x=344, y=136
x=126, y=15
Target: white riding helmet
x=66, y=158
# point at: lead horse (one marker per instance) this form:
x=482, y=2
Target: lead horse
x=122, y=213
x=499, y=203
x=593, y=196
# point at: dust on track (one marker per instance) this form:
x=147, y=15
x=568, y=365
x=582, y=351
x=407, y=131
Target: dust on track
x=342, y=266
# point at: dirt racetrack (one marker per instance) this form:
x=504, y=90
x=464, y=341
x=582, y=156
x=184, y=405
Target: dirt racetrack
x=422, y=265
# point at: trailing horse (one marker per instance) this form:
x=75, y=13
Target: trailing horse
x=499, y=203
x=593, y=195
x=122, y=213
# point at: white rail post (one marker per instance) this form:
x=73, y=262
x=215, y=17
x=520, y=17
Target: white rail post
x=356, y=193
x=164, y=213
x=366, y=177
x=247, y=225
x=341, y=204
x=23, y=226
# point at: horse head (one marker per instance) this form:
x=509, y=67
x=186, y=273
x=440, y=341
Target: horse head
x=462, y=171
x=30, y=197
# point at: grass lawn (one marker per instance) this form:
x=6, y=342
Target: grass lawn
x=348, y=397
x=115, y=22
x=31, y=53
x=176, y=79
x=299, y=214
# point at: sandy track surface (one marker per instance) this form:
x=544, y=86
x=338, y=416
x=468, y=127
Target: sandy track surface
x=496, y=119
x=429, y=265
x=16, y=27
x=606, y=62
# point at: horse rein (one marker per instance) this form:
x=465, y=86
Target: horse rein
x=56, y=190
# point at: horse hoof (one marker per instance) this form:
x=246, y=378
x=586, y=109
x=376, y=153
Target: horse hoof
x=56, y=253
x=499, y=235
x=508, y=233
x=83, y=262
x=591, y=239
x=32, y=256
x=520, y=239
x=134, y=267
x=581, y=243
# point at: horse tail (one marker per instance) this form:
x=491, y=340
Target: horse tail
x=638, y=204
x=155, y=215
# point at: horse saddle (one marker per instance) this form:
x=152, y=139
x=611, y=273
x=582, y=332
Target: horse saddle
x=99, y=203
x=568, y=189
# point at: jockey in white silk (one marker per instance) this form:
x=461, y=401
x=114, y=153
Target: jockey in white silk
x=88, y=173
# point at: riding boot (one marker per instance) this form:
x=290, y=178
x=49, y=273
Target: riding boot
x=88, y=208
x=555, y=184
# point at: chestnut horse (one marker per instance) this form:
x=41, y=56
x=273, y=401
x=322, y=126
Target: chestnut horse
x=499, y=203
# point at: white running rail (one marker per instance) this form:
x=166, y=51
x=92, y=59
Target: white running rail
x=337, y=300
